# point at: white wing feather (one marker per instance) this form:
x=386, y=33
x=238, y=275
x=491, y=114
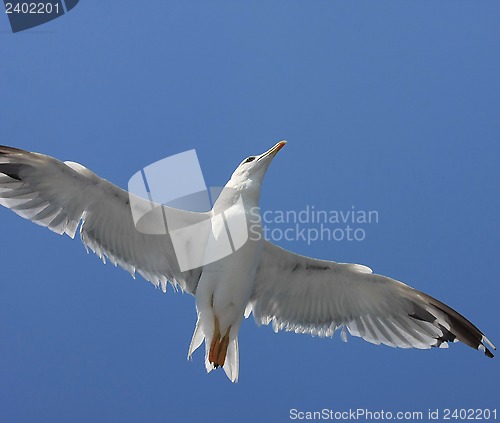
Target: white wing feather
x=307, y=295
x=59, y=195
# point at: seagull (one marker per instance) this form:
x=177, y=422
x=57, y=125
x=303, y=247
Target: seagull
x=288, y=290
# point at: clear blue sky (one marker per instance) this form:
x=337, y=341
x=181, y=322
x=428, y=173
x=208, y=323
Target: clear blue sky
x=390, y=106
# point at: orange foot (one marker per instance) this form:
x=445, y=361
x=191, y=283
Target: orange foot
x=218, y=346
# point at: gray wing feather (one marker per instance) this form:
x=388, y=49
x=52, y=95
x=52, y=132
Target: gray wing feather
x=307, y=295
x=60, y=195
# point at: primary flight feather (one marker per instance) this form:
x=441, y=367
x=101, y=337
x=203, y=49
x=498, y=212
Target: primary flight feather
x=291, y=291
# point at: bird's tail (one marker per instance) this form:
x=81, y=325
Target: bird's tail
x=219, y=351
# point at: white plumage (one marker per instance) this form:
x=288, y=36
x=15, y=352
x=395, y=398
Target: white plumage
x=290, y=291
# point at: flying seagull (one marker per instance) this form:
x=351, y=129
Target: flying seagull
x=290, y=291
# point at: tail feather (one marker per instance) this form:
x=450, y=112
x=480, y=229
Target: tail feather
x=197, y=339
x=208, y=364
x=207, y=331
x=232, y=364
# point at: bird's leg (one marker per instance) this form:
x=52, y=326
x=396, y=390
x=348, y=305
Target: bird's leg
x=221, y=358
x=218, y=346
x=213, y=354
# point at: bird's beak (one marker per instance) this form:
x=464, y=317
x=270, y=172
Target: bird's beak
x=272, y=152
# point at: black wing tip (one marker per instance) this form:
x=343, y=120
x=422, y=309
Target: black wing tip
x=460, y=329
x=8, y=168
x=449, y=337
x=482, y=346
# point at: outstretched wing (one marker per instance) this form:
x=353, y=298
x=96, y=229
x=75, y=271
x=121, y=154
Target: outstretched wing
x=60, y=195
x=306, y=295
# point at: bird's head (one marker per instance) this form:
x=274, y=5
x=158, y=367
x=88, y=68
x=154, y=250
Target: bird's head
x=253, y=168
x=247, y=179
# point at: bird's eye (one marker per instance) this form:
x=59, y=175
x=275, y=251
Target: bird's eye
x=250, y=159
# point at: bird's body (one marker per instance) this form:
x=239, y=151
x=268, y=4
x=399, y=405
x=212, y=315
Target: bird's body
x=223, y=293
x=291, y=291
x=226, y=285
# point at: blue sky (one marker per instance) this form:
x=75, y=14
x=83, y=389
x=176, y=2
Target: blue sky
x=387, y=106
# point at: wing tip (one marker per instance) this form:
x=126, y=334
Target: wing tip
x=453, y=325
x=488, y=342
x=482, y=347
x=8, y=166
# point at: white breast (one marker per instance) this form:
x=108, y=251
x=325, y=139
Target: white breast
x=226, y=285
